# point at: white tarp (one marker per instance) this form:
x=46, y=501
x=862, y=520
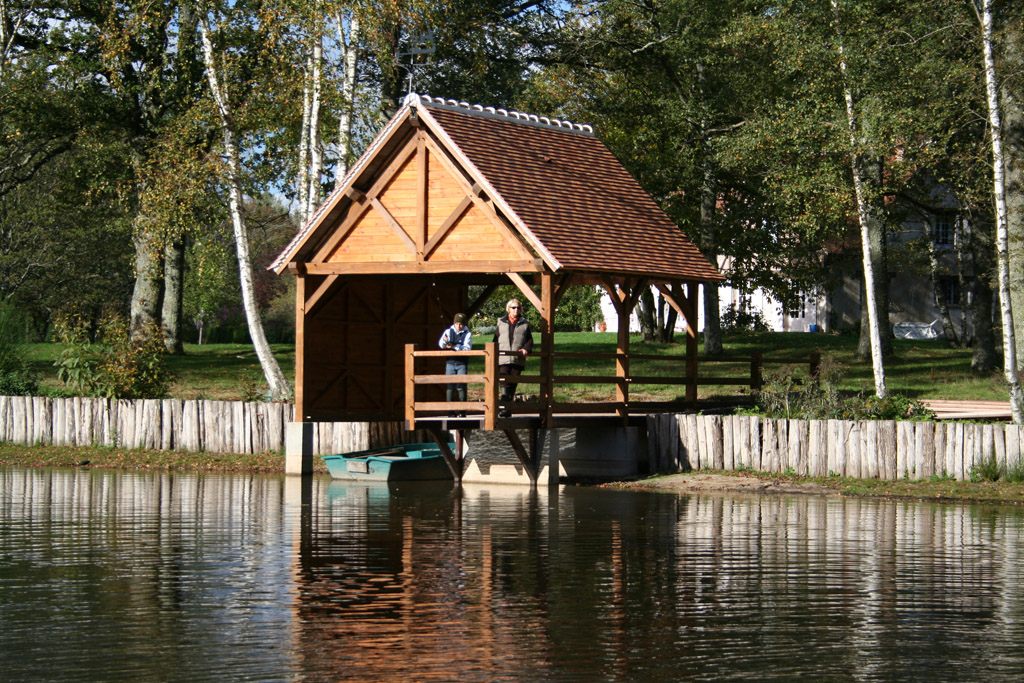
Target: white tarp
x=932, y=330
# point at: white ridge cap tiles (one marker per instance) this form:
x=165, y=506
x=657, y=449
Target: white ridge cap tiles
x=413, y=99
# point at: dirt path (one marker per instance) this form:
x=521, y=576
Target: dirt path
x=697, y=482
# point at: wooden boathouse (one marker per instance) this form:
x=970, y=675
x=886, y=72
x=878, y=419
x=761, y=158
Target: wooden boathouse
x=449, y=196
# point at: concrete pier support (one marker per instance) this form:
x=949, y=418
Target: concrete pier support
x=566, y=455
x=298, y=448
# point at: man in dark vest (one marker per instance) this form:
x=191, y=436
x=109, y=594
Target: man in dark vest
x=514, y=340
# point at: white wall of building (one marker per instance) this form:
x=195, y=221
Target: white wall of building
x=812, y=317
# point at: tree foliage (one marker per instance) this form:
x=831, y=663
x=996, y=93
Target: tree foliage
x=731, y=114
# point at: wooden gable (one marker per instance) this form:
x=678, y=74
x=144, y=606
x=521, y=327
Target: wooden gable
x=422, y=214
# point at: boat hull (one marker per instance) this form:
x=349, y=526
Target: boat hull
x=410, y=462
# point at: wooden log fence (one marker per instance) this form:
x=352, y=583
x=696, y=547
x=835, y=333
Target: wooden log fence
x=677, y=442
x=868, y=449
x=172, y=424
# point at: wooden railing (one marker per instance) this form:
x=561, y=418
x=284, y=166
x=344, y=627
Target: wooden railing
x=488, y=407
x=545, y=405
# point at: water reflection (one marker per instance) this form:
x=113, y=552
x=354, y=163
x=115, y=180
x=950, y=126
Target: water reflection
x=176, y=577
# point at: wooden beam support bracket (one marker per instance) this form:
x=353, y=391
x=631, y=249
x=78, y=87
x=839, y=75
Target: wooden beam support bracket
x=395, y=226
x=446, y=227
x=454, y=462
x=475, y=307
x=524, y=287
x=319, y=294
x=528, y=460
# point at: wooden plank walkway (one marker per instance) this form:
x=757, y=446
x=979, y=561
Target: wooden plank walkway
x=970, y=410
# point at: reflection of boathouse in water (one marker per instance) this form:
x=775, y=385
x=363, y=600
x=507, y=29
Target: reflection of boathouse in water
x=448, y=196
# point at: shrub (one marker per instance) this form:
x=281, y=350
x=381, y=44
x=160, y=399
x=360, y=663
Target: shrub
x=76, y=365
x=115, y=366
x=1015, y=473
x=987, y=470
x=16, y=376
x=790, y=392
x=735, y=320
x=131, y=368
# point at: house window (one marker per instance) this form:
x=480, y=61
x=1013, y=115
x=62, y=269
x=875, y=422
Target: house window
x=799, y=309
x=944, y=231
x=950, y=287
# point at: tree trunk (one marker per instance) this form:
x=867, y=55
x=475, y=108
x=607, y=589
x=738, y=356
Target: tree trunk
x=940, y=295
x=671, y=316
x=982, y=303
x=279, y=388
x=348, y=91
x=708, y=242
x=145, y=304
x=962, y=243
x=1002, y=232
x=984, y=358
x=315, y=148
x=871, y=225
x=174, y=266
x=302, y=184
x=1013, y=150
x=712, y=314
x=645, y=314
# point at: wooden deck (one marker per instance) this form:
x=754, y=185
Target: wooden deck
x=970, y=410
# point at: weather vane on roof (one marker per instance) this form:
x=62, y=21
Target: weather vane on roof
x=421, y=46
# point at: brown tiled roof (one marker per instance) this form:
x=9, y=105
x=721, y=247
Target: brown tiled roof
x=572, y=194
x=569, y=196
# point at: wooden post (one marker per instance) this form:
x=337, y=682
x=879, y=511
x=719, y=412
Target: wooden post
x=817, y=456
x=300, y=345
x=887, y=450
x=547, y=342
x=756, y=364
x=728, y=447
x=622, y=361
x=410, y=387
x=691, y=340
x=422, y=192
x=490, y=384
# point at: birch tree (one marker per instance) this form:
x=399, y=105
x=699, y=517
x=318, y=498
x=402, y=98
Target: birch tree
x=866, y=214
x=348, y=41
x=310, y=163
x=1010, y=370
x=279, y=387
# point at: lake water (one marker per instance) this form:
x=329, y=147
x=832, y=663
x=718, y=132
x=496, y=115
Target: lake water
x=174, y=577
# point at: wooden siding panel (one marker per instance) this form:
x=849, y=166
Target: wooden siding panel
x=444, y=194
x=400, y=196
x=474, y=238
x=355, y=342
x=371, y=240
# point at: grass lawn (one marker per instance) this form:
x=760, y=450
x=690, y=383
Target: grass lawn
x=223, y=372
x=920, y=369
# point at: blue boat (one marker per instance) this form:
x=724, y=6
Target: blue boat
x=408, y=462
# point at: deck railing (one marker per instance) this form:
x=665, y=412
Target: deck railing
x=545, y=405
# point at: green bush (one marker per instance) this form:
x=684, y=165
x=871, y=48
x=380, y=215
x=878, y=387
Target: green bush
x=76, y=365
x=16, y=376
x=790, y=392
x=578, y=311
x=987, y=470
x=131, y=368
x=735, y=320
x=115, y=366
